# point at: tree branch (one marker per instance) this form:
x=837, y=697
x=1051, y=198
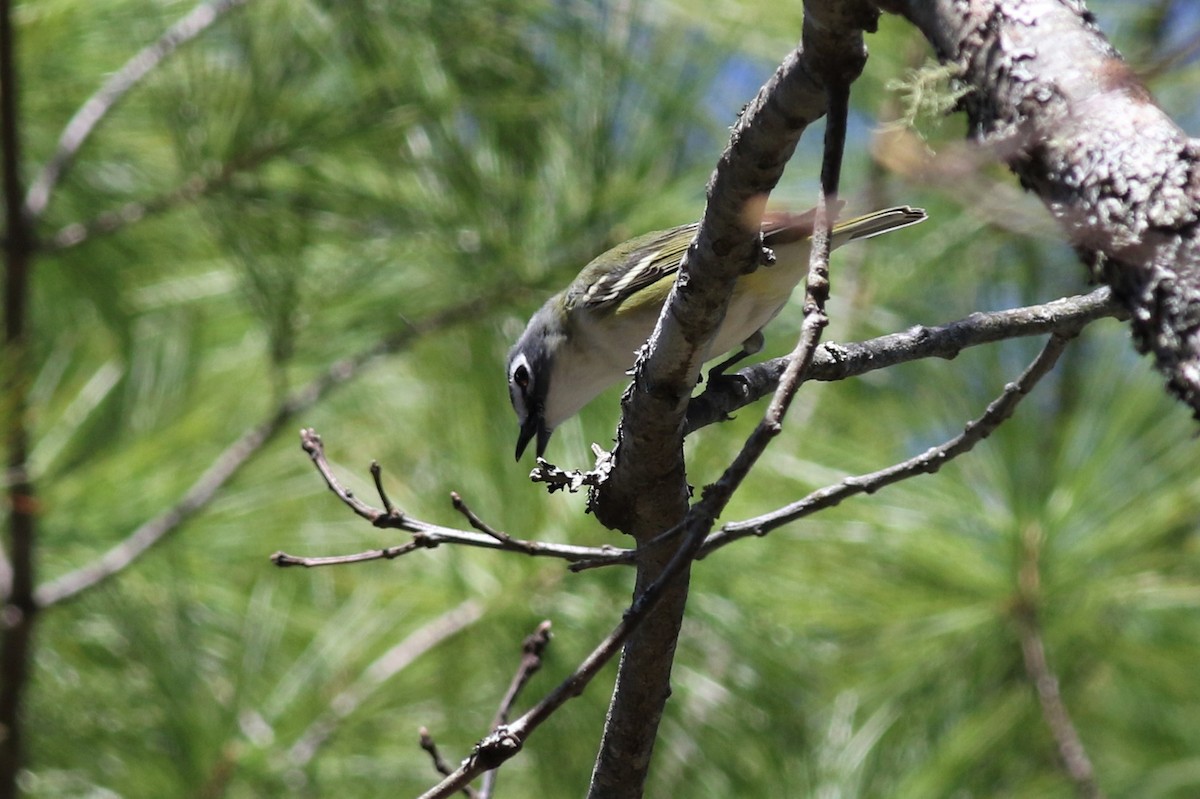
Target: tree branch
x=17, y=616
x=379, y=672
x=1054, y=711
x=424, y=534
x=1053, y=99
x=927, y=462
x=194, y=187
x=531, y=661
x=646, y=490
x=507, y=740
x=831, y=361
x=234, y=457
x=1074, y=756
x=96, y=108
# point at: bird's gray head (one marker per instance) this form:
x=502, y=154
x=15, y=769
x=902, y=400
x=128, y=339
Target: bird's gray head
x=530, y=364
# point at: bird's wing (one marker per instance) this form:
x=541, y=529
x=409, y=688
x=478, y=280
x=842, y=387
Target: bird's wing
x=627, y=269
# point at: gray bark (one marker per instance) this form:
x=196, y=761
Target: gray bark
x=1053, y=100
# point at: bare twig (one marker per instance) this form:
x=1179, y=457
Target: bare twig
x=194, y=187
x=506, y=740
x=528, y=547
x=531, y=661
x=1065, y=318
x=1074, y=756
x=832, y=361
x=377, y=477
x=424, y=534
x=92, y=112
x=439, y=763
x=927, y=462
x=234, y=457
x=311, y=443
x=429, y=745
x=379, y=672
x=387, y=553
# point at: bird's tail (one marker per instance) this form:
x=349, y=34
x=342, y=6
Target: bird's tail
x=781, y=227
x=864, y=227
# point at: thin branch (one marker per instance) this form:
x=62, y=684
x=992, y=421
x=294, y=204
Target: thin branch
x=201, y=492
x=377, y=477
x=1074, y=756
x=528, y=547
x=531, y=661
x=505, y=741
x=387, y=553
x=106, y=222
x=379, y=672
x=424, y=534
x=927, y=462
x=439, y=763
x=1066, y=316
x=816, y=294
x=234, y=457
x=18, y=564
x=97, y=107
x=194, y=187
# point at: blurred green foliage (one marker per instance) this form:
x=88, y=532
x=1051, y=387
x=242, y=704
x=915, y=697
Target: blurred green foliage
x=363, y=166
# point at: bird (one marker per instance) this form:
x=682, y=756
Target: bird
x=585, y=338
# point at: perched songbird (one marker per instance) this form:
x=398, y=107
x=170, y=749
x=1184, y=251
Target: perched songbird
x=586, y=337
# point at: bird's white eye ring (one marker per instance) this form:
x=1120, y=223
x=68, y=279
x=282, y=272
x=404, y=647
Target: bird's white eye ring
x=520, y=373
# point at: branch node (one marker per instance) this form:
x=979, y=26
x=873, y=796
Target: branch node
x=496, y=747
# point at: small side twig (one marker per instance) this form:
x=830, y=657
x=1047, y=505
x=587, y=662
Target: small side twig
x=1075, y=760
x=231, y=460
x=506, y=740
x=382, y=669
x=97, y=107
x=311, y=443
x=927, y=462
x=439, y=763
x=424, y=535
x=377, y=476
x=531, y=661
x=283, y=559
x=528, y=547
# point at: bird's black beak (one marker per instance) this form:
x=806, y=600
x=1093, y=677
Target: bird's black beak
x=533, y=426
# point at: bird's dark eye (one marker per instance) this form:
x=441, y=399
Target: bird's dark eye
x=521, y=377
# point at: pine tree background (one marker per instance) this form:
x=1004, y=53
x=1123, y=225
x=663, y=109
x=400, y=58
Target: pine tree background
x=307, y=179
